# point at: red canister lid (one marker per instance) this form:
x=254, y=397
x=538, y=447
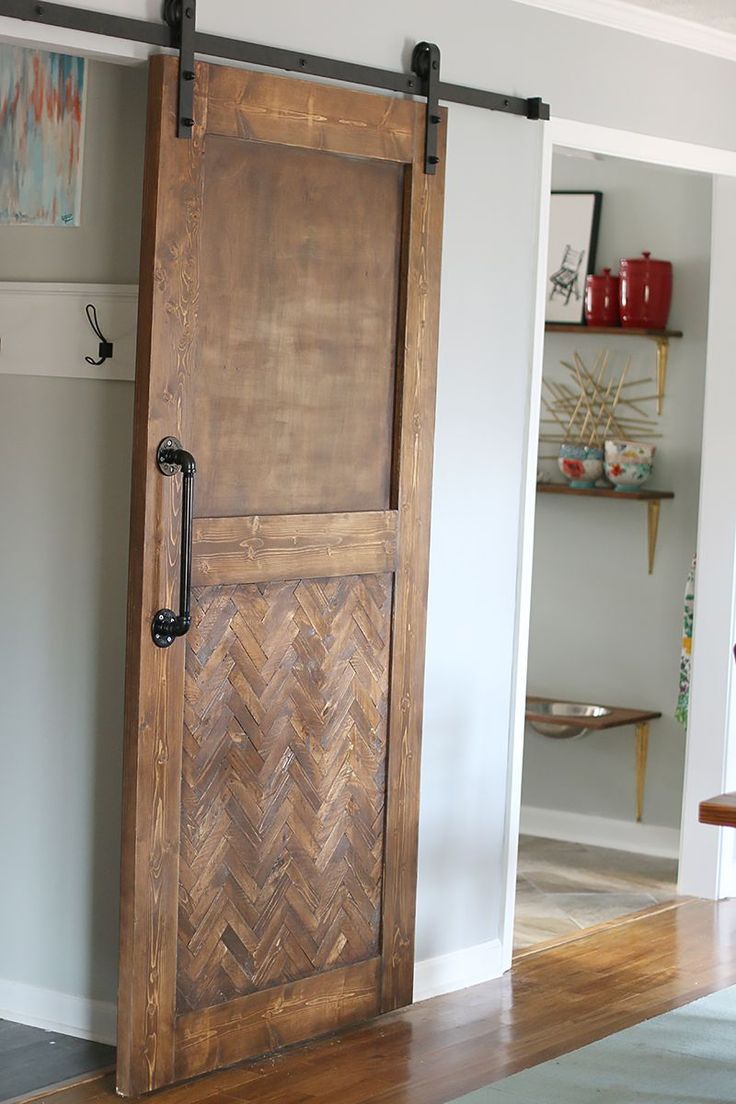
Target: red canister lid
x=646, y=259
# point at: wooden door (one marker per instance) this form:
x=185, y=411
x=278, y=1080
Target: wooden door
x=287, y=337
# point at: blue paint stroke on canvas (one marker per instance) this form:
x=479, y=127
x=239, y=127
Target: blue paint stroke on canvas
x=41, y=133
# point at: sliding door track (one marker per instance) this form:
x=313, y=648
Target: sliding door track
x=177, y=30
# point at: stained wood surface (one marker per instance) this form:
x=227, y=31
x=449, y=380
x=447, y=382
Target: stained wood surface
x=305, y=115
x=277, y=1017
x=550, y=1003
x=618, y=331
x=299, y=273
x=618, y=716
x=719, y=810
x=415, y=415
x=283, y=784
x=307, y=546
x=643, y=495
x=289, y=309
x=154, y=685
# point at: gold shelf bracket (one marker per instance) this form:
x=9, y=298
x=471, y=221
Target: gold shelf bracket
x=663, y=348
x=653, y=507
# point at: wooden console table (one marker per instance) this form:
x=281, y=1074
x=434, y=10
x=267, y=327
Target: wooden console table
x=616, y=718
x=720, y=810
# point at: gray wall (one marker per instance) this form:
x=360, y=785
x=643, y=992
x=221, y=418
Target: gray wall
x=64, y=490
x=602, y=629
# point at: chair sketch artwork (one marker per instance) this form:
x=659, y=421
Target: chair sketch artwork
x=566, y=280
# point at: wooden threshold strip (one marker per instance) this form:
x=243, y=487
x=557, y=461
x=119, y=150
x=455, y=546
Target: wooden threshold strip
x=293, y=546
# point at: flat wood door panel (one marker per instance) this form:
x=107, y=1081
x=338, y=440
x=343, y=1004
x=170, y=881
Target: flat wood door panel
x=288, y=315
x=300, y=260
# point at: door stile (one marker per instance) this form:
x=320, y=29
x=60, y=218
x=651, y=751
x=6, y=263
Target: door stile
x=167, y=331
x=417, y=375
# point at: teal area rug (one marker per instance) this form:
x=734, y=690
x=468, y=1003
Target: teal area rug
x=683, y=1057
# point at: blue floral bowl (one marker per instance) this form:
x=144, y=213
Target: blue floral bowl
x=581, y=465
x=628, y=463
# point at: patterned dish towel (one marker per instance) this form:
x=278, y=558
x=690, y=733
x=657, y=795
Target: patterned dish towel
x=683, y=698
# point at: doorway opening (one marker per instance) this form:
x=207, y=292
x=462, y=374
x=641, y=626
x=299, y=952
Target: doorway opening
x=65, y=444
x=610, y=636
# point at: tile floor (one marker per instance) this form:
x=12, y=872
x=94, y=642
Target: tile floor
x=32, y=1059
x=566, y=887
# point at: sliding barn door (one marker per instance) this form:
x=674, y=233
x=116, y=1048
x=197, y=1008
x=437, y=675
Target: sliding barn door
x=287, y=346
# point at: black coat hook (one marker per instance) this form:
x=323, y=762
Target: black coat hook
x=105, y=349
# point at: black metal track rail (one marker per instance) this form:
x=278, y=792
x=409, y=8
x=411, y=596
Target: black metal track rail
x=273, y=57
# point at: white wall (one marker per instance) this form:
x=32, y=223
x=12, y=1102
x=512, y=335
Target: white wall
x=65, y=452
x=602, y=629
x=486, y=340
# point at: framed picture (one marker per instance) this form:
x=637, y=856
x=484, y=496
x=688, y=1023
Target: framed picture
x=42, y=104
x=573, y=237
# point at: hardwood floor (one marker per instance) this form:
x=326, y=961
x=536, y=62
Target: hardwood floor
x=551, y=1002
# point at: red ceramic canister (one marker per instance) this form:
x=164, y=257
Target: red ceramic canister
x=646, y=292
x=602, y=299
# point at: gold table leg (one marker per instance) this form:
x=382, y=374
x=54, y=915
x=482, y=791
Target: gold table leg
x=642, y=749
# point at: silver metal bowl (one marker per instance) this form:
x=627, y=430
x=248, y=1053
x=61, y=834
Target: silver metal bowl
x=564, y=718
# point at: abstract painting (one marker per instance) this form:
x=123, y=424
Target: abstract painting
x=42, y=98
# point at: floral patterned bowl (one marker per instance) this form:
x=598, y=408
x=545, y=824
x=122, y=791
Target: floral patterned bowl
x=631, y=451
x=627, y=475
x=628, y=464
x=581, y=465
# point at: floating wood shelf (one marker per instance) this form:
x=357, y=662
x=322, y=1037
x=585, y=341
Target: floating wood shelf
x=660, y=337
x=617, y=717
x=620, y=331
x=653, y=500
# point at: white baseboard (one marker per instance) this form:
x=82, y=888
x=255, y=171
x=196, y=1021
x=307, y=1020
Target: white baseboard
x=620, y=835
x=70, y=1015
x=457, y=970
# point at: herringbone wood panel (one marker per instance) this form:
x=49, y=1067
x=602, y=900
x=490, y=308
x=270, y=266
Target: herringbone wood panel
x=283, y=783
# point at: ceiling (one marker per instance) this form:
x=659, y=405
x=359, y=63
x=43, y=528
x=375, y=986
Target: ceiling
x=719, y=14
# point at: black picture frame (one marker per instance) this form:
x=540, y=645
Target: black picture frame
x=574, y=222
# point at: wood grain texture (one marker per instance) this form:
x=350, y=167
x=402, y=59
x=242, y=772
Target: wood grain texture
x=265, y=108
x=642, y=495
x=296, y=383
x=619, y=715
x=305, y=546
x=720, y=810
x=277, y=1017
x=283, y=784
x=154, y=694
x=550, y=1003
x=289, y=310
x=617, y=331
x=423, y=208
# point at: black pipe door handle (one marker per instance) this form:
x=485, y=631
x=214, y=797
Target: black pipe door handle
x=167, y=625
